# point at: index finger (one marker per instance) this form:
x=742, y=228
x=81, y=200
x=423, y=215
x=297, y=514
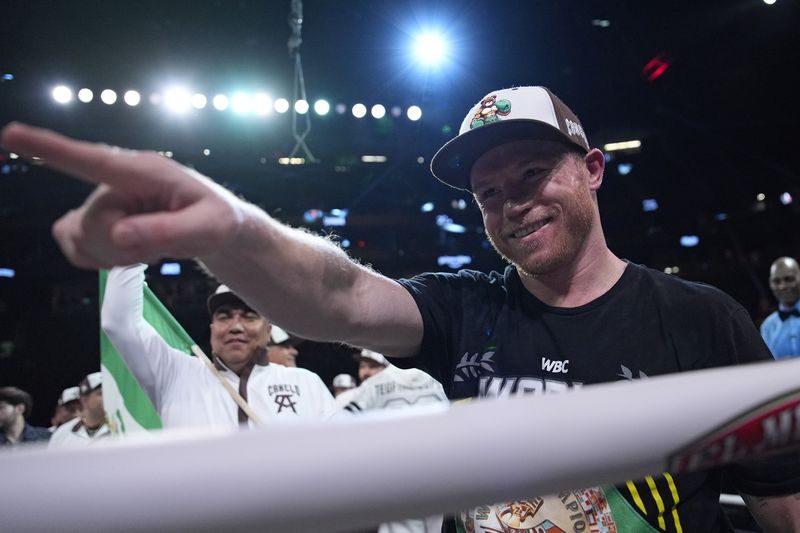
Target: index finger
x=92, y=162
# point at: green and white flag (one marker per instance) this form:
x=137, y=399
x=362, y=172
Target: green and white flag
x=127, y=406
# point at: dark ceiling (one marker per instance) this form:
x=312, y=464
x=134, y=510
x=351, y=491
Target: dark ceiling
x=717, y=128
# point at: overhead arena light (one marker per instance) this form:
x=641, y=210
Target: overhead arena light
x=132, y=98
x=108, y=97
x=220, y=102
x=322, y=107
x=62, y=94
x=373, y=159
x=7, y=273
x=177, y=100
x=454, y=261
x=199, y=101
x=262, y=104
x=301, y=107
x=85, y=95
x=241, y=104
x=624, y=145
x=430, y=48
x=359, y=110
x=281, y=105
x=378, y=111
x=690, y=241
x=414, y=113
x=291, y=160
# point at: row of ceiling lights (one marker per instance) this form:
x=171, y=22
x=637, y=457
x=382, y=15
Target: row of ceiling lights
x=180, y=101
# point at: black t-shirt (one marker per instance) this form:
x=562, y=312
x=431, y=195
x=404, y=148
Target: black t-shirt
x=487, y=336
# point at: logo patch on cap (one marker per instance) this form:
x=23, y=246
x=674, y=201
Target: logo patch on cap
x=490, y=110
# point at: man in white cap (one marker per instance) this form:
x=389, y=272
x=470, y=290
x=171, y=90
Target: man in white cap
x=387, y=387
x=565, y=313
x=90, y=427
x=184, y=391
x=282, y=349
x=342, y=383
x=67, y=407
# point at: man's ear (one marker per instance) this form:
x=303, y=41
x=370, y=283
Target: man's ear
x=595, y=162
x=20, y=408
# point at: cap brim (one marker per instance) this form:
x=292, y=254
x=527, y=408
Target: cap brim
x=215, y=301
x=453, y=162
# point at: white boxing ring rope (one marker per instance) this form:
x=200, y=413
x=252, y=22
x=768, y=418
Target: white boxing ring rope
x=333, y=476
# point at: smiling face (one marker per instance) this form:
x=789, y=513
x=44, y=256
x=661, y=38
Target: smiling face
x=538, y=202
x=237, y=332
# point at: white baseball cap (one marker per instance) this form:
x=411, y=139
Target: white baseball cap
x=504, y=116
x=375, y=356
x=278, y=335
x=91, y=382
x=70, y=394
x=344, y=381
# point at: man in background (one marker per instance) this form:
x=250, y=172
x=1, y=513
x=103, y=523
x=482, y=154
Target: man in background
x=90, y=427
x=15, y=410
x=781, y=329
x=67, y=408
x=281, y=349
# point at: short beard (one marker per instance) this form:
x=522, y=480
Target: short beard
x=566, y=249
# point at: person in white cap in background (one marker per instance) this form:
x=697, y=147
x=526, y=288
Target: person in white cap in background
x=342, y=383
x=565, y=313
x=282, y=349
x=185, y=392
x=385, y=386
x=90, y=427
x=67, y=407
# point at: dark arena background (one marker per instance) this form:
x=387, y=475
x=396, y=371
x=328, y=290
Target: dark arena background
x=708, y=191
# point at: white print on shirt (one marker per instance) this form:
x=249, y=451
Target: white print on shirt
x=470, y=364
x=555, y=365
x=504, y=387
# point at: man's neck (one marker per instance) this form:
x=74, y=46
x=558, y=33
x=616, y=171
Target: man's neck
x=92, y=423
x=579, y=284
x=14, y=430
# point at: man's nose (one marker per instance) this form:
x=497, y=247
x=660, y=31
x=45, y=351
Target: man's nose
x=236, y=323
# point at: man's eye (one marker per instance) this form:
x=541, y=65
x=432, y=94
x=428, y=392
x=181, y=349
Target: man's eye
x=532, y=173
x=486, y=194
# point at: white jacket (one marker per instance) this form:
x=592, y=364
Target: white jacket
x=185, y=392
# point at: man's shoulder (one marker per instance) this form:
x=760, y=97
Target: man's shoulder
x=291, y=372
x=679, y=291
x=36, y=433
x=67, y=426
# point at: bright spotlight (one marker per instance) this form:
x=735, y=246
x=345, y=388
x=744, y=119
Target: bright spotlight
x=301, y=107
x=220, y=102
x=108, y=96
x=132, y=98
x=62, y=94
x=322, y=107
x=378, y=111
x=414, y=113
x=262, y=104
x=769, y=2
x=85, y=95
x=240, y=103
x=281, y=105
x=430, y=48
x=359, y=110
x=199, y=101
x=177, y=100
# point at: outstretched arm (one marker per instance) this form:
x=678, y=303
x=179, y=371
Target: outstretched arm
x=147, y=207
